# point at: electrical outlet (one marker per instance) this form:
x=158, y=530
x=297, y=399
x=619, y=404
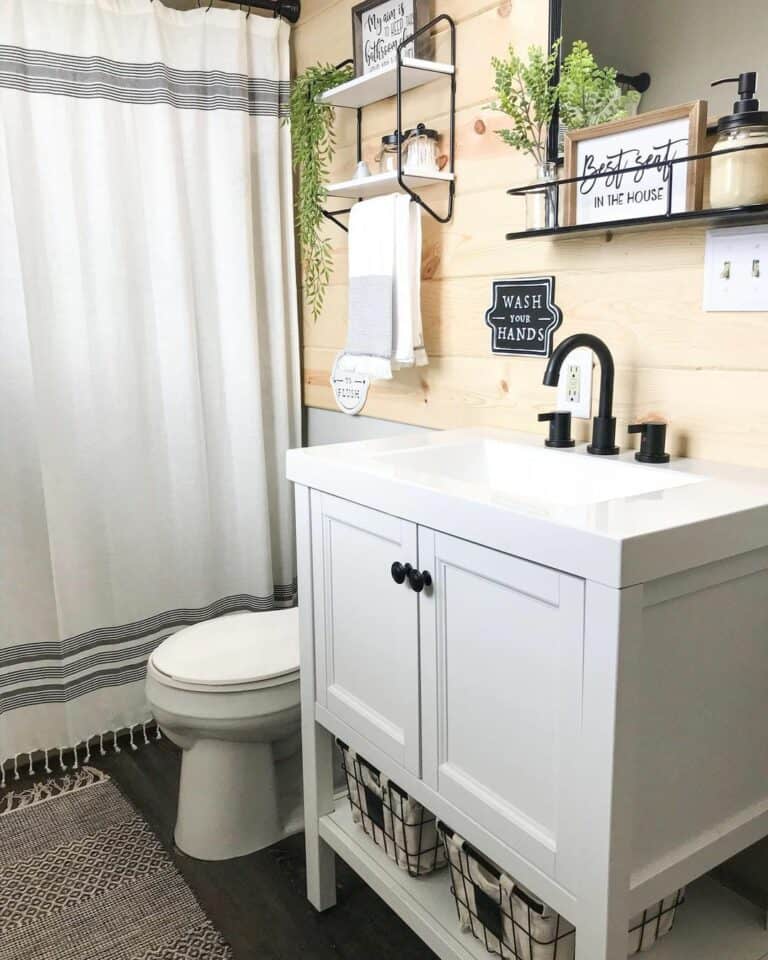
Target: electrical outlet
x=736, y=269
x=574, y=390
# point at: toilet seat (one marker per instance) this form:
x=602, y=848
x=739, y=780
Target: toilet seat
x=238, y=652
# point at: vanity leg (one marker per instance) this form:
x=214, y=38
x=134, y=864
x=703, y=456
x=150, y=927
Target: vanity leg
x=602, y=873
x=604, y=938
x=316, y=742
x=317, y=758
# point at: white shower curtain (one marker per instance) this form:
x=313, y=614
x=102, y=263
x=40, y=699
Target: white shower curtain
x=148, y=347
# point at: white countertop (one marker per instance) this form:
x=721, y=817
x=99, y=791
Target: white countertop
x=722, y=512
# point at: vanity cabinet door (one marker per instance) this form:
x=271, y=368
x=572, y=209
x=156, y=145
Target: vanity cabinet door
x=366, y=625
x=501, y=662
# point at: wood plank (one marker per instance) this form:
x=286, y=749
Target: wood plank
x=507, y=392
x=649, y=317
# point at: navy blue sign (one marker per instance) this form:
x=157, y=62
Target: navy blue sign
x=523, y=316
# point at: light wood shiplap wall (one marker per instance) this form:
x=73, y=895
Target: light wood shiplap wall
x=707, y=373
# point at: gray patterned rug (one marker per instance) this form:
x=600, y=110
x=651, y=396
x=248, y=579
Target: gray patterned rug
x=82, y=876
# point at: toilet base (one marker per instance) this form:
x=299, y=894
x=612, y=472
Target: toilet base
x=228, y=800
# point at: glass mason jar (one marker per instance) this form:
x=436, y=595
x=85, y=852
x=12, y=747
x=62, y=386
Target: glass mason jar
x=739, y=179
x=391, y=145
x=541, y=204
x=421, y=150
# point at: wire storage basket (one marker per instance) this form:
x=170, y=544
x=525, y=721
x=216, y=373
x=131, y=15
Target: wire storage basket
x=513, y=924
x=401, y=826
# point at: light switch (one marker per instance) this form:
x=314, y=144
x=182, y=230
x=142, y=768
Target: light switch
x=736, y=269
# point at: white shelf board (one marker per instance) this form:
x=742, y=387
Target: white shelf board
x=713, y=924
x=425, y=904
x=378, y=86
x=380, y=183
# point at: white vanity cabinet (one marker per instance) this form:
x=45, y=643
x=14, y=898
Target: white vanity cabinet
x=472, y=684
x=579, y=692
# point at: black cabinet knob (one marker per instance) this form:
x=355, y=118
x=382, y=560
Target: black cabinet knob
x=398, y=572
x=419, y=579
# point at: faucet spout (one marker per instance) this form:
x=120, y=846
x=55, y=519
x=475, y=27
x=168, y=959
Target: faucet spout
x=604, y=424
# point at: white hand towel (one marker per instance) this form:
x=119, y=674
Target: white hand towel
x=385, y=329
x=408, y=335
x=371, y=286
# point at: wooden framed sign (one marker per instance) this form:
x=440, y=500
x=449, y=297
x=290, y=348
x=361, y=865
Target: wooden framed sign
x=648, y=139
x=378, y=26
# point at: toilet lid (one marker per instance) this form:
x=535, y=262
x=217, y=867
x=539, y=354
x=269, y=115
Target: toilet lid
x=239, y=648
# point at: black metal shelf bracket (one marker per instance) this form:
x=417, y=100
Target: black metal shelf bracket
x=441, y=18
x=407, y=41
x=753, y=213
x=333, y=215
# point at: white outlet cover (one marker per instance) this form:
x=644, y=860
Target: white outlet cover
x=736, y=269
x=583, y=360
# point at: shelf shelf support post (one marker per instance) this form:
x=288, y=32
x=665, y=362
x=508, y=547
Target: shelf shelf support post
x=452, y=122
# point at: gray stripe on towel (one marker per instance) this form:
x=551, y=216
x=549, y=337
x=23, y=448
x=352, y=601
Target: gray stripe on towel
x=370, y=316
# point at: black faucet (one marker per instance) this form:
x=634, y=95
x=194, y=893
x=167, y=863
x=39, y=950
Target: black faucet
x=604, y=424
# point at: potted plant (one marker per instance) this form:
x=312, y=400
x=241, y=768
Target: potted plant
x=586, y=94
x=313, y=146
x=526, y=92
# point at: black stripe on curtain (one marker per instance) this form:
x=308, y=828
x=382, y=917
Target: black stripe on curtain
x=42, y=71
x=123, y=646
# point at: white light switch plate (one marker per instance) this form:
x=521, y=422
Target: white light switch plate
x=736, y=269
x=574, y=389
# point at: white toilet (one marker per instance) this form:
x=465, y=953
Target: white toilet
x=227, y=692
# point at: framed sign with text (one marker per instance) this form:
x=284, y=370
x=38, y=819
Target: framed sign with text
x=378, y=26
x=523, y=316
x=648, y=140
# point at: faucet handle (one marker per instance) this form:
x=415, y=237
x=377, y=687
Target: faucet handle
x=653, y=437
x=559, y=428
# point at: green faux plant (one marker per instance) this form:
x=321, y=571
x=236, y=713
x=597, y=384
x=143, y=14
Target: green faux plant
x=526, y=93
x=313, y=145
x=588, y=94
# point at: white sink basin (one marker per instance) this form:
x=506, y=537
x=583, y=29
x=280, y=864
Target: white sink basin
x=534, y=474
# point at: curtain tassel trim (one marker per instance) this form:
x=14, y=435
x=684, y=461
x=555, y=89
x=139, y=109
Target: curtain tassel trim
x=13, y=767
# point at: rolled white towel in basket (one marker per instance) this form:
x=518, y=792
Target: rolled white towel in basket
x=385, y=329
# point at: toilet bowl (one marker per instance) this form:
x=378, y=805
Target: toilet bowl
x=227, y=693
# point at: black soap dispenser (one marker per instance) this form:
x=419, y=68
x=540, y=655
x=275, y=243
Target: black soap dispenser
x=740, y=179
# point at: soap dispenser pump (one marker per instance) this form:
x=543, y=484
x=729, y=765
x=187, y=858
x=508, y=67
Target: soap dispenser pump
x=740, y=179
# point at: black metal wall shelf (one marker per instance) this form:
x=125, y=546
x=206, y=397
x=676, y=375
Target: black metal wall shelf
x=711, y=217
x=407, y=73
x=730, y=217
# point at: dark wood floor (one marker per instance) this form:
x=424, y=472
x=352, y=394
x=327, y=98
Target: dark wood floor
x=258, y=901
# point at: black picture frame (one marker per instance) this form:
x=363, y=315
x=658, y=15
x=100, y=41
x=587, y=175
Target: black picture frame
x=421, y=15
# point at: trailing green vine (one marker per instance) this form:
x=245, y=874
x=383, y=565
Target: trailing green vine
x=313, y=149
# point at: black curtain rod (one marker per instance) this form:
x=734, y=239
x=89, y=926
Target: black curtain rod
x=288, y=9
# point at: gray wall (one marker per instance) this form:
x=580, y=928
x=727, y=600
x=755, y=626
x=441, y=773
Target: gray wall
x=683, y=44
x=331, y=426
